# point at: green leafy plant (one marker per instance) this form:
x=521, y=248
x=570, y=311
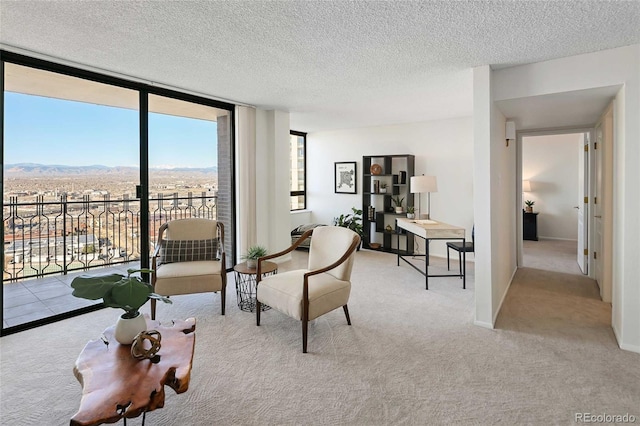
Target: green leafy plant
x=411, y=209
x=352, y=221
x=117, y=291
x=254, y=253
x=529, y=203
x=397, y=201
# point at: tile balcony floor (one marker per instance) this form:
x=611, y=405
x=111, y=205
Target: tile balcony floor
x=37, y=298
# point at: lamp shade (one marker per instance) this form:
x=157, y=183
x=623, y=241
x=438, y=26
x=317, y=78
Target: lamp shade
x=526, y=186
x=423, y=184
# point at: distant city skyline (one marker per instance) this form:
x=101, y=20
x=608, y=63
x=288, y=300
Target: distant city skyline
x=51, y=131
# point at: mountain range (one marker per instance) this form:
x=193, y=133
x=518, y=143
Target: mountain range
x=32, y=169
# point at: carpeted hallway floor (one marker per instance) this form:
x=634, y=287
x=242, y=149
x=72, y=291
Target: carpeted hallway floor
x=411, y=357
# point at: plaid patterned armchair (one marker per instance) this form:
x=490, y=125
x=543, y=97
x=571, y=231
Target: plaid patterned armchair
x=189, y=258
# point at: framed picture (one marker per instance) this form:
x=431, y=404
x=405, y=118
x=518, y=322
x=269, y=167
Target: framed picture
x=346, y=178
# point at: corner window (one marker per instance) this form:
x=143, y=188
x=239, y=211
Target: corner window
x=298, y=174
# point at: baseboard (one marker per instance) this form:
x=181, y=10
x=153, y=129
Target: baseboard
x=504, y=296
x=624, y=346
x=483, y=324
x=557, y=239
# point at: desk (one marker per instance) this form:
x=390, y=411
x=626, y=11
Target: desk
x=246, y=284
x=432, y=230
x=117, y=386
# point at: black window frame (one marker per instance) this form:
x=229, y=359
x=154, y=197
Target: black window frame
x=302, y=193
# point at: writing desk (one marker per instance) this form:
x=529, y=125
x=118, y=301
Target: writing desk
x=432, y=230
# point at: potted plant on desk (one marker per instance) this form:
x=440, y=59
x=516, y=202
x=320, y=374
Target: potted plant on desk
x=117, y=291
x=411, y=212
x=253, y=254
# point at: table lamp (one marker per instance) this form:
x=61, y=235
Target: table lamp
x=420, y=184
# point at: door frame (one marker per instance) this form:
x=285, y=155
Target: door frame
x=520, y=134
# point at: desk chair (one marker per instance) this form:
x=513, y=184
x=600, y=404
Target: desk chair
x=457, y=246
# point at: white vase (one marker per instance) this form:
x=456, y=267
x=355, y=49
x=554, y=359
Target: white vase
x=398, y=209
x=128, y=328
x=252, y=263
x=411, y=215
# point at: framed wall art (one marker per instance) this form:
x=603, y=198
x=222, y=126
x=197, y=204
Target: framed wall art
x=345, y=178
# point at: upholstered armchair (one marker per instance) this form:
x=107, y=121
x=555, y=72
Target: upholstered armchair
x=189, y=258
x=306, y=294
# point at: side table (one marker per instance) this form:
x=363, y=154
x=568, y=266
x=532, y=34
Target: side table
x=117, y=386
x=246, y=284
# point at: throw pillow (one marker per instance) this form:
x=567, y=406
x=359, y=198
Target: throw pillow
x=172, y=251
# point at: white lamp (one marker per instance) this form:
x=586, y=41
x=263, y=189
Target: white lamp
x=526, y=186
x=426, y=184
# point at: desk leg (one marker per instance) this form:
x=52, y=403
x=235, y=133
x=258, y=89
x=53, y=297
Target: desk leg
x=464, y=264
x=398, y=245
x=426, y=264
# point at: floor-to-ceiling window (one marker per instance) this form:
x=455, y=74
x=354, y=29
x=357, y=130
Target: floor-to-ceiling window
x=91, y=165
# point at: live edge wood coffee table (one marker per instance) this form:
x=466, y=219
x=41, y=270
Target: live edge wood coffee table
x=117, y=386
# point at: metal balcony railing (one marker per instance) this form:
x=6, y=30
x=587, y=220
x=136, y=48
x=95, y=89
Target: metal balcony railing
x=56, y=237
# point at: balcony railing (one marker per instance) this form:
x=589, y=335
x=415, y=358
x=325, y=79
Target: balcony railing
x=56, y=237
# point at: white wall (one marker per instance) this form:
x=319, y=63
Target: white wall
x=551, y=163
x=605, y=68
x=443, y=148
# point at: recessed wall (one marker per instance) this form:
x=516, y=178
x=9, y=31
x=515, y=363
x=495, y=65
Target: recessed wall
x=443, y=148
x=552, y=163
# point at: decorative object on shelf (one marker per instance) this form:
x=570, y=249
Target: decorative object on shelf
x=117, y=291
x=383, y=187
x=420, y=184
x=253, y=254
x=389, y=228
x=371, y=213
x=403, y=177
x=345, y=178
x=138, y=347
x=375, y=169
x=375, y=246
x=411, y=212
x=397, y=201
x=352, y=221
x=376, y=186
x=529, y=206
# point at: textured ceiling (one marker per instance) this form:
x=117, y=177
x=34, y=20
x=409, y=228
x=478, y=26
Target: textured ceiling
x=331, y=64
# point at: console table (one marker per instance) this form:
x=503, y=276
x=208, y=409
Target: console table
x=529, y=226
x=117, y=386
x=433, y=230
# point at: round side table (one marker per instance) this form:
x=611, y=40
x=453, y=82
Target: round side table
x=246, y=284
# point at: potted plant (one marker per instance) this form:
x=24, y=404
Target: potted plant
x=117, y=291
x=253, y=254
x=411, y=212
x=352, y=221
x=398, y=203
x=383, y=187
x=529, y=204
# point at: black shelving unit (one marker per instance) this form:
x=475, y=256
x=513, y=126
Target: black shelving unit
x=378, y=210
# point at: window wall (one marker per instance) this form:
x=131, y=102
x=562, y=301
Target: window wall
x=91, y=166
x=298, y=184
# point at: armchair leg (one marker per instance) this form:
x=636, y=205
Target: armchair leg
x=258, y=309
x=305, y=323
x=223, y=298
x=346, y=314
x=153, y=309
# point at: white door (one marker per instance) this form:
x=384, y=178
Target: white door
x=583, y=192
x=597, y=209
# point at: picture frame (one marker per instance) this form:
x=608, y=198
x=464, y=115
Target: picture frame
x=345, y=177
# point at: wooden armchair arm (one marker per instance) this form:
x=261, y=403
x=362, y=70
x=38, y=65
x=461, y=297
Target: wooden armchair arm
x=303, y=237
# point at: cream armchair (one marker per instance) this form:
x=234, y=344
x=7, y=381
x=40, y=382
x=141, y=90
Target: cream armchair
x=189, y=258
x=325, y=285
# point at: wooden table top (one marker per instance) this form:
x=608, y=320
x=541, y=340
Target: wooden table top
x=116, y=385
x=266, y=268
x=431, y=228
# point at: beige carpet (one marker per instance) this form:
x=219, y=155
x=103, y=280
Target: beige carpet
x=411, y=357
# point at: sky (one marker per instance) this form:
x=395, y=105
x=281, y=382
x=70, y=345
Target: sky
x=52, y=131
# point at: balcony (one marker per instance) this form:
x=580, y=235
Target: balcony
x=48, y=243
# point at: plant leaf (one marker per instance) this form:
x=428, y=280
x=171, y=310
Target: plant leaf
x=93, y=288
x=129, y=294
